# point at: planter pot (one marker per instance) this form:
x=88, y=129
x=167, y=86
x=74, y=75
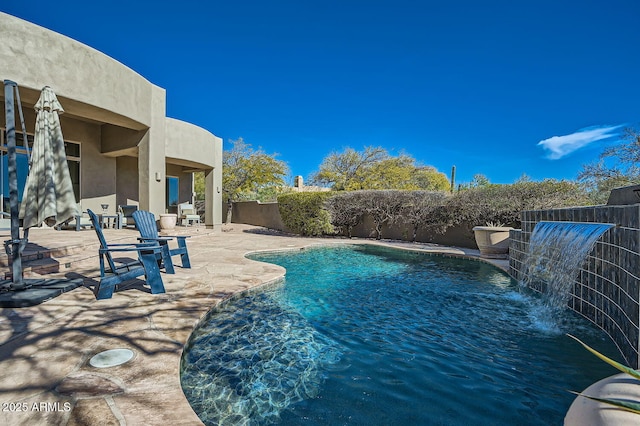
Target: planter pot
x=168, y=221
x=584, y=411
x=493, y=241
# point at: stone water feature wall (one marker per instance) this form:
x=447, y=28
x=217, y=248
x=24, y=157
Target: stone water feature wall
x=607, y=288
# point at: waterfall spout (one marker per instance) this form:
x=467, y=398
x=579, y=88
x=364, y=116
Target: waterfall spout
x=557, y=250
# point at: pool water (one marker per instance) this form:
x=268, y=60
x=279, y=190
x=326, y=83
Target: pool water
x=368, y=335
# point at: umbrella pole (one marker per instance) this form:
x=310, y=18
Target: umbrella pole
x=20, y=292
x=17, y=244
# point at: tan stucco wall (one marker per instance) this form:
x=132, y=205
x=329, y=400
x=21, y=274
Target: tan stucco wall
x=257, y=213
x=194, y=147
x=95, y=188
x=268, y=215
x=127, y=181
x=94, y=85
x=151, y=158
x=117, y=116
x=186, y=143
x=116, y=140
x=214, y=203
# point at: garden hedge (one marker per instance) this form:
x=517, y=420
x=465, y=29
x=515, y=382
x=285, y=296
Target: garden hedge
x=322, y=213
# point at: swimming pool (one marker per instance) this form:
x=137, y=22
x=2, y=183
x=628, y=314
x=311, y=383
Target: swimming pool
x=372, y=335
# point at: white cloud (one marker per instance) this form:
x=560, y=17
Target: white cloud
x=560, y=146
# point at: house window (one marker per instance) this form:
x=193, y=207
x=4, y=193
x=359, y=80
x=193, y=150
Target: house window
x=72, y=150
x=172, y=194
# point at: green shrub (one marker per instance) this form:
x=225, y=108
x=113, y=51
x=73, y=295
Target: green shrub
x=504, y=203
x=318, y=213
x=304, y=213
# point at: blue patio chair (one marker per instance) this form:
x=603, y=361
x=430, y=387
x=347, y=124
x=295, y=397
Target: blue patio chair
x=111, y=274
x=127, y=215
x=148, y=228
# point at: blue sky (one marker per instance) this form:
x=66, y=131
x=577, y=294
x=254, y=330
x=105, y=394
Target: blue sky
x=496, y=87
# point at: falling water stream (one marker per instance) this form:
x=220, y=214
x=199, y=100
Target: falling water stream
x=557, y=250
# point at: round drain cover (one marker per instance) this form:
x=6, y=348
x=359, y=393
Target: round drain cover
x=111, y=358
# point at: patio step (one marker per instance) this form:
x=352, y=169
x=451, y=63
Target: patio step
x=40, y=266
x=79, y=256
x=33, y=253
x=48, y=261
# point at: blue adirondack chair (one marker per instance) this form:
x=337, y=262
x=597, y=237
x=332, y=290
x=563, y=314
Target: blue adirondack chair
x=111, y=274
x=146, y=223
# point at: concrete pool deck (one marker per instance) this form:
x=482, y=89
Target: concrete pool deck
x=45, y=375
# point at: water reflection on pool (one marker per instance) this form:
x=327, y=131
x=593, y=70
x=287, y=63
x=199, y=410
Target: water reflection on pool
x=370, y=335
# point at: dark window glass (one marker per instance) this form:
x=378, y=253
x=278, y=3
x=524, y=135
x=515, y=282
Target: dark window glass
x=19, y=140
x=72, y=149
x=74, y=172
x=172, y=194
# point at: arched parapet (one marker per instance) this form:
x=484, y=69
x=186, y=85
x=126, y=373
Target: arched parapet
x=95, y=86
x=187, y=143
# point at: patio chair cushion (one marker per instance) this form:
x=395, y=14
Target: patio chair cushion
x=187, y=214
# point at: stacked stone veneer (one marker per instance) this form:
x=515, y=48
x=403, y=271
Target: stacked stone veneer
x=607, y=289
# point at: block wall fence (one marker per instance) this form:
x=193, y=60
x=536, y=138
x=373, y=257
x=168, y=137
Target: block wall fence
x=607, y=289
x=268, y=215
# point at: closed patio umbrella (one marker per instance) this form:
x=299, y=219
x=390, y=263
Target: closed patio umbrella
x=48, y=194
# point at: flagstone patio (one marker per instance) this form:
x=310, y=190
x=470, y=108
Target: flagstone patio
x=45, y=375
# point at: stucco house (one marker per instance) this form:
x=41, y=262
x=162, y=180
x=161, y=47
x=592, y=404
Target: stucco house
x=121, y=147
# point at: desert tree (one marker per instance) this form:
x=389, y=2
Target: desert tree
x=428, y=178
x=246, y=170
x=346, y=170
x=390, y=173
x=618, y=165
x=375, y=168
